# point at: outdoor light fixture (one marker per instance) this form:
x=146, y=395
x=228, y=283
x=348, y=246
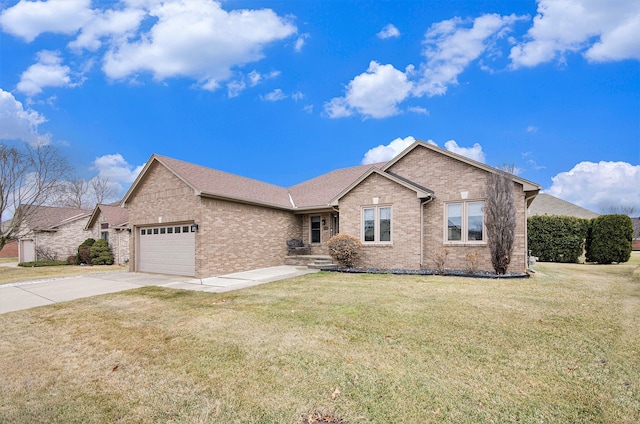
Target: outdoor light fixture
x=324, y=222
x=194, y=227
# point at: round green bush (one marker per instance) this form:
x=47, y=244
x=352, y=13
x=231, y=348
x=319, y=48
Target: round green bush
x=101, y=253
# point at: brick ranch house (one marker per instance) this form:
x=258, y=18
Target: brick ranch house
x=192, y=220
x=49, y=231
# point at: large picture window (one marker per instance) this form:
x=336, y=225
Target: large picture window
x=464, y=222
x=376, y=224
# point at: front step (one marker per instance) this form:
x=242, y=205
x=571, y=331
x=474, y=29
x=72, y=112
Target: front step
x=322, y=264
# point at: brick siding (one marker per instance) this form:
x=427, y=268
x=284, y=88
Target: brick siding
x=231, y=236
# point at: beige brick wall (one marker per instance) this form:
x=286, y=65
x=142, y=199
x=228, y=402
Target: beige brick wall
x=236, y=237
x=231, y=236
x=66, y=240
x=404, y=249
x=448, y=177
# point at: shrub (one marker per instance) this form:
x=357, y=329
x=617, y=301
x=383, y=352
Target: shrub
x=440, y=259
x=72, y=260
x=42, y=263
x=610, y=239
x=557, y=238
x=44, y=253
x=344, y=249
x=473, y=261
x=101, y=253
x=84, y=252
x=500, y=212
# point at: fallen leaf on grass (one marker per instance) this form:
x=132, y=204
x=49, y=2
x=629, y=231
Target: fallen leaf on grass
x=114, y=369
x=335, y=393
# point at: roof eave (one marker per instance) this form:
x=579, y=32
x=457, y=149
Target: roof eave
x=244, y=201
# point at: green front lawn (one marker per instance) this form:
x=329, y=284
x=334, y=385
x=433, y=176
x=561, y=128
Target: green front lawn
x=560, y=347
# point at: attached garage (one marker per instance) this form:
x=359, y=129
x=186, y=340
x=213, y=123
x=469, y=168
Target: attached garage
x=167, y=249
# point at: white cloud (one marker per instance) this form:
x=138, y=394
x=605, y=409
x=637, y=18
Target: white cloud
x=389, y=31
x=118, y=24
x=384, y=153
x=253, y=78
x=451, y=45
x=18, y=123
x=374, y=93
x=532, y=129
x=274, y=96
x=475, y=152
x=28, y=19
x=116, y=169
x=297, y=95
x=599, y=186
x=197, y=39
x=601, y=30
x=300, y=42
x=48, y=72
x=419, y=110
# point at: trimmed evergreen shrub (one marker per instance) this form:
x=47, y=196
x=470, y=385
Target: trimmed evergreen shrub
x=557, y=238
x=84, y=252
x=344, y=249
x=610, y=239
x=101, y=253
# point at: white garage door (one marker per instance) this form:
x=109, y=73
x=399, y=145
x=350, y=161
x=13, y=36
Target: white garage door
x=167, y=249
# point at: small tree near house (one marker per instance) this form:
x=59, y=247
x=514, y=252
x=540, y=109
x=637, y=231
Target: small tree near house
x=500, y=214
x=101, y=253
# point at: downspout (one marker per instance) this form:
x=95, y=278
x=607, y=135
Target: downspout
x=422, y=229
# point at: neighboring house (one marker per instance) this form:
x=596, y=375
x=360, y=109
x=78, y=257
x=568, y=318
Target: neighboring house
x=192, y=220
x=636, y=233
x=9, y=250
x=110, y=223
x=49, y=231
x=546, y=204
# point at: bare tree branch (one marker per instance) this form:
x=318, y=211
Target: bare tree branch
x=28, y=176
x=102, y=189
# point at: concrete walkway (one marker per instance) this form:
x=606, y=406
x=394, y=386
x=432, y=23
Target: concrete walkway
x=18, y=296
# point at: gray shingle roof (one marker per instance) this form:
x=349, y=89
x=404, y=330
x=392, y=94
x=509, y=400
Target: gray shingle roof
x=208, y=181
x=319, y=191
x=50, y=217
x=546, y=204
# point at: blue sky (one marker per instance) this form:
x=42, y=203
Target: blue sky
x=283, y=91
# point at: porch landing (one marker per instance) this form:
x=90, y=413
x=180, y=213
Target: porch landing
x=311, y=261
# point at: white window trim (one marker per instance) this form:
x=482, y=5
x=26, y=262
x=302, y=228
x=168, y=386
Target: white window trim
x=465, y=223
x=376, y=224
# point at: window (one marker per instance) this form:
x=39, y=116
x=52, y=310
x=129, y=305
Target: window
x=143, y=232
x=465, y=222
x=376, y=224
x=104, y=235
x=163, y=230
x=185, y=229
x=177, y=229
x=155, y=231
x=104, y=226
x=315, y=229
x=169, y=230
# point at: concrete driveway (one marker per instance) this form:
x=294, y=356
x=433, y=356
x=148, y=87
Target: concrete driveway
x=18, y=296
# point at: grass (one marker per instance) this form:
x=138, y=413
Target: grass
x=562, y=346
x=18, y=274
